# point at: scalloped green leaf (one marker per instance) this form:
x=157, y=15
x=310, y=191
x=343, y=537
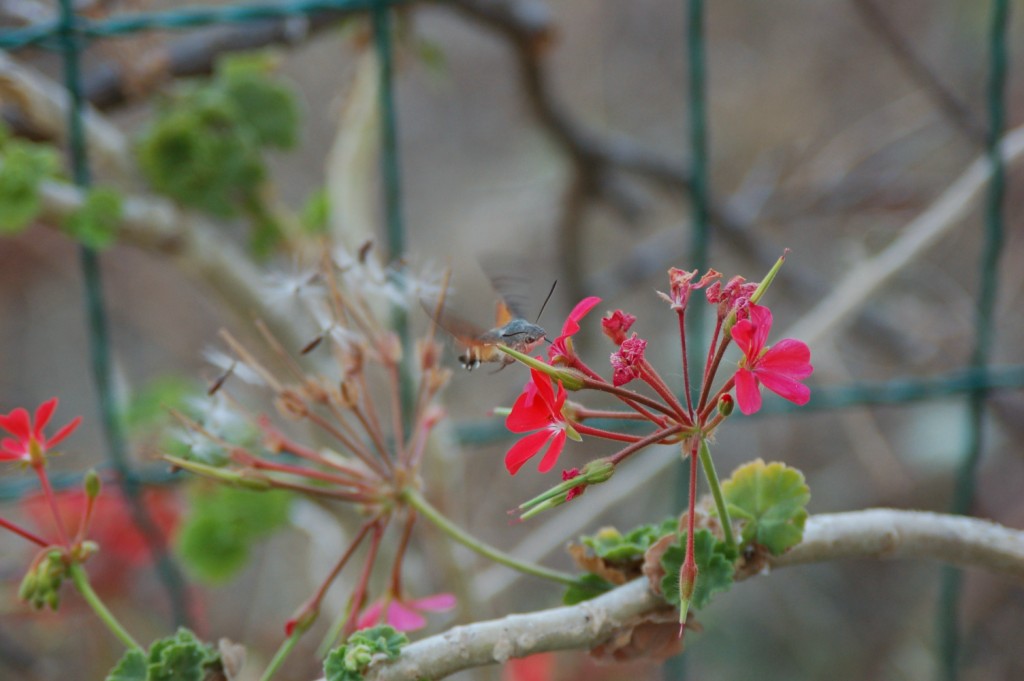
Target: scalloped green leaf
x=350, y=660
x=714, y=569
x=588, y=586
x=612, y=545
x=771, y=499
x=181, y=657
x=131, y=667
x=267, y=107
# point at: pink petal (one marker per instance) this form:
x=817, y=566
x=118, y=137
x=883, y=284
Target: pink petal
x=14, y=447
x=43, y=414
x=572, y=325
x=527, y=414
x=788, y=356
x=371, y=616
x=743, y=335
x=748, y=395
x=16, y=423
x=404, y=618
x=784, y=386
x=7, y=455
x=64, y=432
x=523, y=451
x=761, y=316
x=435, y=603
x=544, y=390
x=554, y=449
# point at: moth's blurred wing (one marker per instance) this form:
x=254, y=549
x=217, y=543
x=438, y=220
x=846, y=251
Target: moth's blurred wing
x=511, y=278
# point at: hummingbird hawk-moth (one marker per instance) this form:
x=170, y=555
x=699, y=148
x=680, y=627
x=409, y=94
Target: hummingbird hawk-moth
x=511, y=328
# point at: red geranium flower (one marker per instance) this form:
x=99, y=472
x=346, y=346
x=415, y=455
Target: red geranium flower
x=560, y=348
x=404, y=615
x=628, y=361
x=779, y=368
x=29, y=444
x=537, y=407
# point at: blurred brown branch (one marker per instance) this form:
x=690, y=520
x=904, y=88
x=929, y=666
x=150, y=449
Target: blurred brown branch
x=874, y=533
x=955, y=111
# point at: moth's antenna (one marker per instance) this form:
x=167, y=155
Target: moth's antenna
x=545, y=303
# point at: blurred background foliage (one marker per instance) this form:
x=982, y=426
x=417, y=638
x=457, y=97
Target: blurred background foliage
x=556, y=132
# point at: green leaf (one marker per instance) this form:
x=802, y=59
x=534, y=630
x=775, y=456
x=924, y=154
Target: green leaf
x=350, y=660
x=223, y=524
x=268, y=108
x=22, y=167
x=610, y=544
x=181, y=657
x=149, y=405
x=95, y=223
x=589, y=586
x=316, y=212
x=714, y=569
x=772, y=500
x=131, y=667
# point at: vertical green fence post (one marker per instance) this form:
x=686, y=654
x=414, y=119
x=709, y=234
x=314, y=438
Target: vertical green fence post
x=99, y=338
x=949, y=644
x=391, y=176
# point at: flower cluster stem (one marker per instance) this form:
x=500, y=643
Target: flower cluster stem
x=416, y=500
x=283, y=651
x=81, y=582
x=716, y=492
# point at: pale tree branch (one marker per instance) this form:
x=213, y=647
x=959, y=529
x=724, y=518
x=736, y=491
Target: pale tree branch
x=872, y=534
x=189, y=241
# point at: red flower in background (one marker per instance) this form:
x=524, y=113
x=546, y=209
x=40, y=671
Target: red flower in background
x=29, y=444
x=559, y=347
x=537, y=407
x=123, y=549
x=405, y=615
x=779, y=368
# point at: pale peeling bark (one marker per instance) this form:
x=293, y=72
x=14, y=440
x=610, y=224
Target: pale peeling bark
x=876, y=533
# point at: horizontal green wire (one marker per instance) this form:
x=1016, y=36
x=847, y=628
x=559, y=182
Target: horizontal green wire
x=898, y=392
x=180, y=19
x=895, y=392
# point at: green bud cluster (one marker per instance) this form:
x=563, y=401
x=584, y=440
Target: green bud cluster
x=41, y=586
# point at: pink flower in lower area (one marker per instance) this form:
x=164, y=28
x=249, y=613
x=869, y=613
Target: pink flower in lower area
x=404, y=615
x=780, y=368
x=537, y=408
x=628, y=361
x=560, y=347
x=29, y=444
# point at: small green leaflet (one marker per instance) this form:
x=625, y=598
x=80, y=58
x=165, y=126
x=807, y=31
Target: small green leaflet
x=350, y=660
x=771, y=499
x=714, y=569
x=181, y=657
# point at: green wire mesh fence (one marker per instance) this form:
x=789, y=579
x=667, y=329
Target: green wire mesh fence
x=70, y=33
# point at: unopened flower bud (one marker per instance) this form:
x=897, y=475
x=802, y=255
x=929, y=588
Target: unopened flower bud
x=391, y=349
x=349, y=394
x=314, y=391
x=358, y=657
x=616, y=324
x=92, y=484
x=598, y=471
x=726, y=404
x=429, y=352
x=291, y=405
